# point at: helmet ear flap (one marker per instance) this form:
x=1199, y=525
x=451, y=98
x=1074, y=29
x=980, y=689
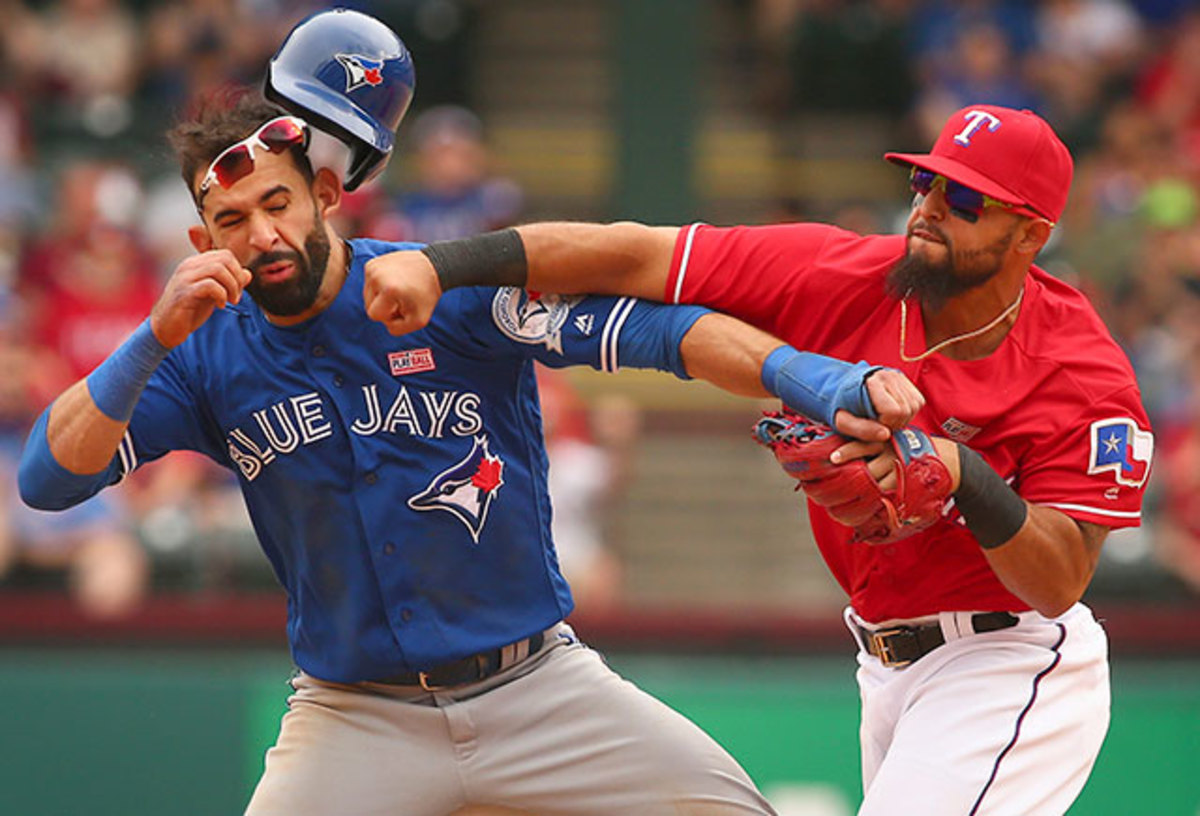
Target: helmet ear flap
x=348, y=75
x=365, y=165
x=329, y=152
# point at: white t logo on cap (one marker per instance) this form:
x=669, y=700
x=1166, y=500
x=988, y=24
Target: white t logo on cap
x=975, y=120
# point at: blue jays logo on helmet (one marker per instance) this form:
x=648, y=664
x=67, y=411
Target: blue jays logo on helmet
x=347, y=74
x=360, y=70
x=465, y=490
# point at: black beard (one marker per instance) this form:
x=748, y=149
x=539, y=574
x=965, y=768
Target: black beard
x=293, y=297
x=934, y=283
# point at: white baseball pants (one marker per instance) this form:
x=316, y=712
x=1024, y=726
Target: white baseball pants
x=1005, y=723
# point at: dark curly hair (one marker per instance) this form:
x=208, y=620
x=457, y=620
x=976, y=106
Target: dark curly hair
x=220, y=120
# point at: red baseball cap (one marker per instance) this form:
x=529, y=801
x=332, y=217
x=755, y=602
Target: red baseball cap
x=1011, y=155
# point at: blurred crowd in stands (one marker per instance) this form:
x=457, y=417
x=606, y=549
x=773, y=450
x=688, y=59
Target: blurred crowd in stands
x=93, y=218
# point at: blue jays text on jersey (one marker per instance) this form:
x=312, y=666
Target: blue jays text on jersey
x=397, y=485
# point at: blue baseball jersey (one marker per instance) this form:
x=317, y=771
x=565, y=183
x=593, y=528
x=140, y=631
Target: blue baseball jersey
x=397, y=484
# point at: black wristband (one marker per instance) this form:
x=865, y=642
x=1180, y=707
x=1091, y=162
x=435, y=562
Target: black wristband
x=491, y=259
x=993, y=511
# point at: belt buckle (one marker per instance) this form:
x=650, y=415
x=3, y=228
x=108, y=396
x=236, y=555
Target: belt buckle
x=883, y=651
x=481, y=673
x=423, y=680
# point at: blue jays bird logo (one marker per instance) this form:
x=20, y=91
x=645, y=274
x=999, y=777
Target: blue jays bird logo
x=465, y=490
x=360, y=70
x=533, y=318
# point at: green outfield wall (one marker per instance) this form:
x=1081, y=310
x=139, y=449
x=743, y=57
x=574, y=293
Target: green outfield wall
x=150, y=731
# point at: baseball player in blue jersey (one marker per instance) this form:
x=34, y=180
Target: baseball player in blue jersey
x=398, y=487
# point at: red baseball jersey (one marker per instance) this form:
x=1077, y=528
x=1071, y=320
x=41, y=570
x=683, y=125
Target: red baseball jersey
x=1055, y=409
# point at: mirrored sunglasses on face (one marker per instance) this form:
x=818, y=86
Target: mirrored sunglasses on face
x=236, y=162
x=963, y=201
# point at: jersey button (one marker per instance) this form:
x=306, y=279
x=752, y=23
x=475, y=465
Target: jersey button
x=406, y=615
x=389, y=548
x=318, y=351
x=339, y=380
x=371, y=478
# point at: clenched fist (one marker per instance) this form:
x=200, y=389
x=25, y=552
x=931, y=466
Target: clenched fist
x=401, y=290
x=200, y=284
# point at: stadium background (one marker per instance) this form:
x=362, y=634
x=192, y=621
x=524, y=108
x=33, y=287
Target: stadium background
x=666, y=111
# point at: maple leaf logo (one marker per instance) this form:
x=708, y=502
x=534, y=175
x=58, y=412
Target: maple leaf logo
x=488, y=477
x=466, y=489
x=360, y=70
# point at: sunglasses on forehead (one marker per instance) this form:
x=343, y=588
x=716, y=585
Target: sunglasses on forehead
x=236, y=162
x=963, y=201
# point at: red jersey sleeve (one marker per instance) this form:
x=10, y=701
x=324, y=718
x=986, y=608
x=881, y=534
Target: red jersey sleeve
x=743, y=271
x=1089, y=444
x=1095, y=468
x=780, y=277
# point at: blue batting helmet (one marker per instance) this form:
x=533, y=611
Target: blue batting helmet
x=348, y=74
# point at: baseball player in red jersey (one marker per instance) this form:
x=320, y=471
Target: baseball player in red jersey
x=984, y=680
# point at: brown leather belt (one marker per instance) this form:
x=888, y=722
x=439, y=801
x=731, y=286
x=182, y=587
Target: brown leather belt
x=898, y=646
x=470, y=669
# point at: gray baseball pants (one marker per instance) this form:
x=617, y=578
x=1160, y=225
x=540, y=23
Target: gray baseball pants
x=558, y=734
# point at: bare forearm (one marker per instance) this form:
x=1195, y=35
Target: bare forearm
x=87, y=421
x=624, y=258
x=401, y=289
x=82, y=439
x=1049, y=563
x=728, y=354
x=69, y=452
x=1040, y=554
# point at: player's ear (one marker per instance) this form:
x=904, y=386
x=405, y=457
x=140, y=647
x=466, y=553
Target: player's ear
x=327, y=191
x=1034, y=234
x=200, y=238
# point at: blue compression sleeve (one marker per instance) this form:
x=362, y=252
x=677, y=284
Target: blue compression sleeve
x=816, y=385
x=651, y=335
x=117, y=383
x=47, y=485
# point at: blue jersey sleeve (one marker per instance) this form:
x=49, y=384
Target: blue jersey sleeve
x=606, y=333
x=170, y=415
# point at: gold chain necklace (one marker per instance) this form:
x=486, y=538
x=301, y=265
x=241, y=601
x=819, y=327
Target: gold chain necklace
x=949, y=340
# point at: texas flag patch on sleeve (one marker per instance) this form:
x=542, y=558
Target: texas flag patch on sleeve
x=1119, y=446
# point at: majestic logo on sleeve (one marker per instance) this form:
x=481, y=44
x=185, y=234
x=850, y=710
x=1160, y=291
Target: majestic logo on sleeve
x=467, y=489
x=1118, y=446
x=360, y=70
x=532, y=317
